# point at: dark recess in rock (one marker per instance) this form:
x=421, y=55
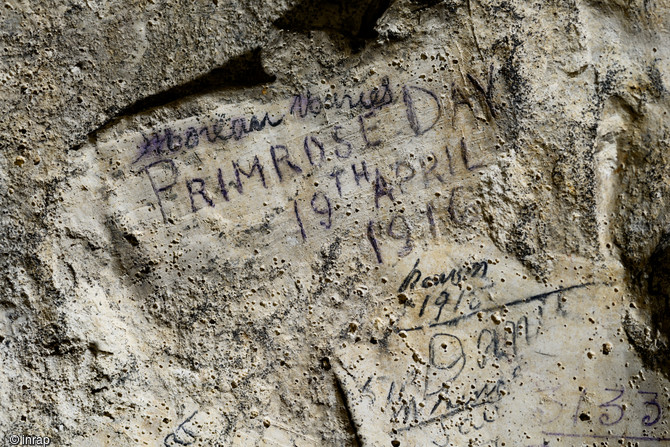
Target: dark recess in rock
x=659, y=285
x=357, y=442
x=352, y=19
x=243, y=71
x=652, y=282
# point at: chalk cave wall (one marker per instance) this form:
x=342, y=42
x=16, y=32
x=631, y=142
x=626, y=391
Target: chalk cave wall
x=335, y=223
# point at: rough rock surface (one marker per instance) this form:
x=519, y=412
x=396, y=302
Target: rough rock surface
x=334, y=223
